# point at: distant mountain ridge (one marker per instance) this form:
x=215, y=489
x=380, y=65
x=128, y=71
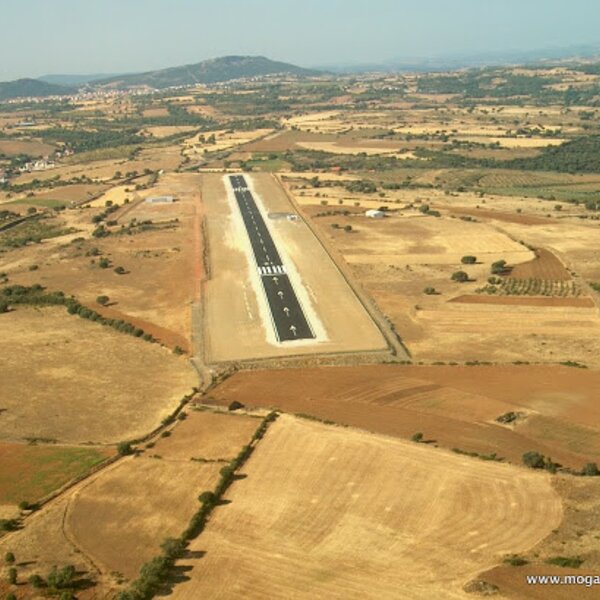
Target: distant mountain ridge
x=25, y=88
x=75, y=80
x=216, y=70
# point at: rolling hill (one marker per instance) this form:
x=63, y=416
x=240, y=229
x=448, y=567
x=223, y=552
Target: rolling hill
x=24, y=88
x=215, y=70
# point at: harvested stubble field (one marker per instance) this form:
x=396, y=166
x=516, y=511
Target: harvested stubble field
x=577, y=536
x=120, y=517
x=353, y=515
x=84, y=382
x=456, y=406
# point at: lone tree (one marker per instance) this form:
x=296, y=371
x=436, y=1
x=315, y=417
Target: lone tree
x=61, y=578
x=534, y=460
x=499, y=267
x=468, y=260
x=9, y=558
x=460, y=276
x=12, y=576
x=207, y=498
x=103, y=300
x=124, y=448
x=36, y=581
x=590, y=470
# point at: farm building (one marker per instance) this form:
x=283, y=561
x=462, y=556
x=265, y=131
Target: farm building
x=375, y=214
x=160, y=200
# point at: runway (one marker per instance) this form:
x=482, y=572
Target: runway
x=289, y=320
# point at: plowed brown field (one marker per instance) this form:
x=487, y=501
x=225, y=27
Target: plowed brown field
x=456, y=406
x=544, y=266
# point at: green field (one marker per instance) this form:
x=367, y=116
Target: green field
x=30, y=472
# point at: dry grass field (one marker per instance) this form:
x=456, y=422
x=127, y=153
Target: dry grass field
x=43, y=544
x=347, y=514
x=455, y=406
x=161, y=263
x=84, y=382
x=396, y=258
x=28, y=147
x=91, y=525
x=120, y=518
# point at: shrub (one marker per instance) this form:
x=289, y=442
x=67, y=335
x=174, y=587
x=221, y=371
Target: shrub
x=24, y=505
x=499, y=267
x=36, y=581
x=207, y=498
x=348, y=228
x=565, y=561
x=3, y=306
x=104, y=263
x=533, y=460
x=430, y=291
x=9, y=558
x=460, y=276
x=103, y=300
x=515, y=560
x=172, y=548
x=120, y=270
x=417, y=437
x=468, y=260
x=226, y=472
x=12, y=576
x=590, y=470
x=61, y=578
x=8, y=524
x=124, y=448
x=11, y=596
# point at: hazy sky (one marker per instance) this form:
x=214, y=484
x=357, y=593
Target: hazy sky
x=110, y=36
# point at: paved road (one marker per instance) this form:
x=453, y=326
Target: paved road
x=288, y=317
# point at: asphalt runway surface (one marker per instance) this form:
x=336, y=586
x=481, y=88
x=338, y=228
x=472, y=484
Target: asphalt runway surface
x=287, y=314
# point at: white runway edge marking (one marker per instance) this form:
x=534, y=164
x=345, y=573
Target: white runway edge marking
x=306, y=304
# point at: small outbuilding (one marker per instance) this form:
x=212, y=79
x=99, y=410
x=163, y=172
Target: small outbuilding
x=375, y=214
x=160, y=200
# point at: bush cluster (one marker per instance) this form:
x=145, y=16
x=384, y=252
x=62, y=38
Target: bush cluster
x=36, y=295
